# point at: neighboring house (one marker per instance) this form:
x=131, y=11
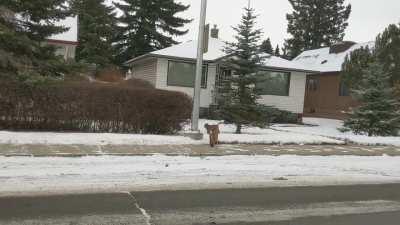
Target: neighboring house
x=67, y=42
x=173, y=69
x=326, y=95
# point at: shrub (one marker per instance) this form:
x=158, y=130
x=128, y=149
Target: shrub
x=111, y=74
x=92, y=107
x=271, y=115
x=136, y=83
x=274, y=115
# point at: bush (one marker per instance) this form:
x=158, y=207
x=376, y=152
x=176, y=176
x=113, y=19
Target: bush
x=272, y=115
x=275, y=115
x=111, y=74
x=92, y=107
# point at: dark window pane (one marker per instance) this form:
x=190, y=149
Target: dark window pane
x=312, y=84
x=343, y=90
x=183, y=74
x=273, y=83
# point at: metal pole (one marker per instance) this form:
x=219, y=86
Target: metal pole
x=199, y=68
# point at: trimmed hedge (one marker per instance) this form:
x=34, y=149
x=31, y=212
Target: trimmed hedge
x=92, y=107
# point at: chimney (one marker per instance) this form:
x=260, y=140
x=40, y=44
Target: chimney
x=215, y=32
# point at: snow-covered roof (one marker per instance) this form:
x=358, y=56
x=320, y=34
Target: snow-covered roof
x=188, y=50
x=72, y=34
x=324, y=61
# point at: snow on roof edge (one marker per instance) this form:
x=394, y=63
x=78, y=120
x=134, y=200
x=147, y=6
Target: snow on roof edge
x=323, y=61
x=188, y=51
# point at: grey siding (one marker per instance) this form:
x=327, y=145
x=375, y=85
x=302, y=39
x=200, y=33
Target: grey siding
x=146, y=70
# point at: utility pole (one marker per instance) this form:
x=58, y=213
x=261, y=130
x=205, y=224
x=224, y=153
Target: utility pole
x=199, y=68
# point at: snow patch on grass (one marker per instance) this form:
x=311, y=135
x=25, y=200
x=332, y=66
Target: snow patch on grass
x=251, y=135
x=112, y=173
x=329, y=128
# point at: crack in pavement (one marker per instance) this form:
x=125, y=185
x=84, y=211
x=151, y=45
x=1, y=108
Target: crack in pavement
x=145, y=214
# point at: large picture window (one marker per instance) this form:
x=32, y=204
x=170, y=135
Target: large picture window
x=183, y=74
x=273, y=83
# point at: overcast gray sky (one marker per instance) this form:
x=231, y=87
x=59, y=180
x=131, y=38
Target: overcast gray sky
x=369, y=17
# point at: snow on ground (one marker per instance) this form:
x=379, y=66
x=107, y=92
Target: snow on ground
x=249, y=136
x=329, y=128
x=29, y=175
x=323, y=131
x=255, y=135
x=54, y=138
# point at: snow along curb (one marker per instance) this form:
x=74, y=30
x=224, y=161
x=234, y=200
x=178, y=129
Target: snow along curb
x=23, y=175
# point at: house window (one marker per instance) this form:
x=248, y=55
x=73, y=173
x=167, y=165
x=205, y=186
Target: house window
x=343, y=89
x=223, y=74
x=312, y=84
x=273, y=83
x=182, y=74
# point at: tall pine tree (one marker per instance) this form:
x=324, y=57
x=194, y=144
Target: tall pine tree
x=238, y=95
x=387, y=49
x=354, y=64
x=277, y=51
x=25, y=25
x=315, y=24
x=379, y=113
x=266, y=47
x=148, y=25
x=386, y=52
x=97, y=27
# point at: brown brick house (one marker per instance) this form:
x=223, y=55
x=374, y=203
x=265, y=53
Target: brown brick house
x=326, y=96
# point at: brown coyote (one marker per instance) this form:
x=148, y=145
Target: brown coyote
x=213, y=131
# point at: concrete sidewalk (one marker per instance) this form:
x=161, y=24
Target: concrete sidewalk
x=194, y=150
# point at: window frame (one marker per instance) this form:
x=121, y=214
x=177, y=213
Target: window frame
x=288, y=85
x=205, y=70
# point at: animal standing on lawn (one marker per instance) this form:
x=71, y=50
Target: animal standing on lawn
x=213, y=131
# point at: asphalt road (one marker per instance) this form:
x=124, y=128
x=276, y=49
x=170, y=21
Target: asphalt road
x=333, y=205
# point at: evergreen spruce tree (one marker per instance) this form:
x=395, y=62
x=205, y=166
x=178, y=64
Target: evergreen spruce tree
x=238, y=95
x=148, y=25
x=379, y=113
x=25, y=25
x=266, y=47
x=277, y=52
x=354, y=64
x=97, y=27
x=387, y=50
x=315, y=24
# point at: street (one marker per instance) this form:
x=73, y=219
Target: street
x=333, y=205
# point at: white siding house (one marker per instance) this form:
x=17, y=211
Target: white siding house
x=294, y=102
x=173, y=69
